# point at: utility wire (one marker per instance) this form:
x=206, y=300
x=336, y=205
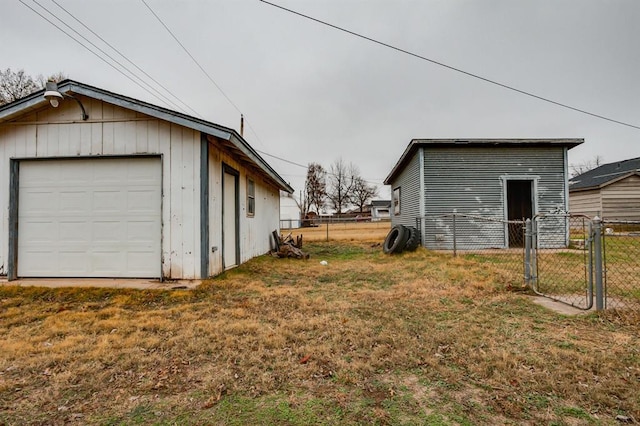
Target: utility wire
x=191, y=56
x=201, y=68
x=126, y=58
x=87, y=48
x=461, y=71
x=167, y=100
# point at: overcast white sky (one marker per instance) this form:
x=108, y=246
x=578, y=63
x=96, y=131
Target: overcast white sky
x=314, y=94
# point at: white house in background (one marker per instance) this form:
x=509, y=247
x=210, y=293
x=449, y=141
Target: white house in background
x=380, y=210
x=289, y=211
x=132, y=190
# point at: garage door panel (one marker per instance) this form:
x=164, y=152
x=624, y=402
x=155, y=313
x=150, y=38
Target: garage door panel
x=74, y=202
x=36, y=232
x=108, y=232
x=74, y=232
x=37, y=202
x=142, y=201
x=108, y=201
x=73, y=263
x=38, y=261
x=90, y=218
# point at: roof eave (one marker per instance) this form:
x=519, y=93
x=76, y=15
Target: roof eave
x=36, y=100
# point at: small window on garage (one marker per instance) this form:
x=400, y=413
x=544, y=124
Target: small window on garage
x=396, y=201
x=251, y=197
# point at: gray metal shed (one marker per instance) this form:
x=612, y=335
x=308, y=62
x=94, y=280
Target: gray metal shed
x=493, y=179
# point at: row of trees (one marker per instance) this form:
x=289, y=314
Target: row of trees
x=18, y=84
x=339, y=187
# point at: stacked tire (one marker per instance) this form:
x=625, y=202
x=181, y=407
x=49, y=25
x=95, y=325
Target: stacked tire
x=401, y=238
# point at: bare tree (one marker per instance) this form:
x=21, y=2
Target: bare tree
x=341, y=179
x=362, y=192
x=315, y=189
x=585, y=166
x=16, y=85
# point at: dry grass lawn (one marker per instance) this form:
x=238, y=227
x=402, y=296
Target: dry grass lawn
x=347, y=231
x=418, y=338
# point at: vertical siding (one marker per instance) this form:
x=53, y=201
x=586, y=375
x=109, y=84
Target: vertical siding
x=469, y=181
x=123, y=133
x=254, y=232
x=409, y=183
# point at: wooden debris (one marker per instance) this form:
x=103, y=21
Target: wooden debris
x=287, y=247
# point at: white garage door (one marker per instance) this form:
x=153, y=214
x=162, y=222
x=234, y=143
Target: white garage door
x=90, y=218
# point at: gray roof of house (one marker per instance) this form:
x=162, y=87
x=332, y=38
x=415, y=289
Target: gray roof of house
x=605, y=175
x=486, y=143
x=233, y=141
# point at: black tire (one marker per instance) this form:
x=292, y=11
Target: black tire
x=396, y=240
x=414, y=239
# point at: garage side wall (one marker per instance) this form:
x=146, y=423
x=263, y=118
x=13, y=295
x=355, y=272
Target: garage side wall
x=116, y=131
x=254, y=231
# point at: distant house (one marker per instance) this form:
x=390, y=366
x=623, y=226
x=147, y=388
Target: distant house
x=492, y=179
x=611, y=191
x=97, y=184
x=380, y=210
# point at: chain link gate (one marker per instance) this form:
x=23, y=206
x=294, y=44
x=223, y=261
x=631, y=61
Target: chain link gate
x=559, y=257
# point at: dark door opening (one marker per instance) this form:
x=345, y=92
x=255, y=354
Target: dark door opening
x=519, y=207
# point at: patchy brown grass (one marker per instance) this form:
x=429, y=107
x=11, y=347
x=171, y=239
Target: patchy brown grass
x=419, y=338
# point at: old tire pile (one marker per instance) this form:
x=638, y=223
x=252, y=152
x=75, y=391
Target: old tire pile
x=401, y=238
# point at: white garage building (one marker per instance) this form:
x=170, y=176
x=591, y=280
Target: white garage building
x=133, y=190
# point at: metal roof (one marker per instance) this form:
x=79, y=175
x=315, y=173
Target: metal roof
x=605, y=175
x=486, y=143
x=232, y=139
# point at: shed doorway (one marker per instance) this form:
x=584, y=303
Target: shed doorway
x=519, y=207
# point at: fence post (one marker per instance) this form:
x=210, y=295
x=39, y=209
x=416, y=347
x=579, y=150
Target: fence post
x=527, y=253
x=454, y=234
x=597, y=248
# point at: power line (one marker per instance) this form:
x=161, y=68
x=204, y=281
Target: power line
x=201, y=68
x=167, y=100
x=126, y=58
x=191, y=56
x=87, y=48
x=461, y=71
x=282, y=159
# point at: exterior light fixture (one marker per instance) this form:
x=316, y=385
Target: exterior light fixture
x=54, y=97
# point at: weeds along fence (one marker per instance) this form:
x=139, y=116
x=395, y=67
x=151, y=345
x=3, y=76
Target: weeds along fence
x=497, y=242
x=337, y=229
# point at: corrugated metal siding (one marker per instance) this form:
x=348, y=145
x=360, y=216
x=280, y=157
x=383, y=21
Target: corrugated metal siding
x=117, y=131
x=468, y=180
x=409, y=183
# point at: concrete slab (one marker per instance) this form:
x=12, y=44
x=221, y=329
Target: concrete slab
x=559, y=307
x=140, y=284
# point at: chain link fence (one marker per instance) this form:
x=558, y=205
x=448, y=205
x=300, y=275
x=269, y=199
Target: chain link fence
x=494, y=242
x=561, y=265
x=621, y=247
